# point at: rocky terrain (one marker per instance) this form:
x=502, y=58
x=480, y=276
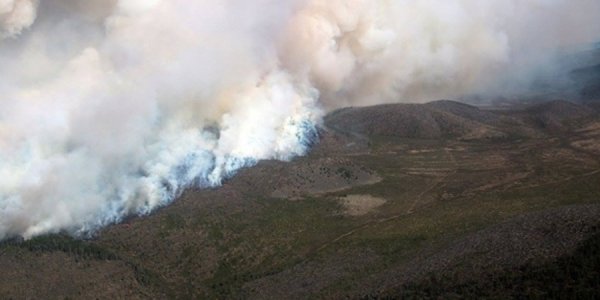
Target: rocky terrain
x=401, y=200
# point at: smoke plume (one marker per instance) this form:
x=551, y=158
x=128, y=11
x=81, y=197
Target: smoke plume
x=112, y=108
x=15, y=15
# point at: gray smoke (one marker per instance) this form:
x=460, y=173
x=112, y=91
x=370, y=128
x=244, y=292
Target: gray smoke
x=111, y=108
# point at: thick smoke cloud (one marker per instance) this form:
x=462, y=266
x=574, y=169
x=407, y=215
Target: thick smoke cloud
x=366, y=52
x=15, y=15
x=111, y=108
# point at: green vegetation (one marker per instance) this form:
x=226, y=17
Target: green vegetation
x=67, y=244
x=240, y=241
x=345, y=173
x=574, y=276
x=280, y=234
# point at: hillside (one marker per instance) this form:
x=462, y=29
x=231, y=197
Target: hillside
x=444, y=119
x=431, y=200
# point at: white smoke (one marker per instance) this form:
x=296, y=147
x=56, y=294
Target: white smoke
x=111, y=108
x=15, y=15
x=361, y=52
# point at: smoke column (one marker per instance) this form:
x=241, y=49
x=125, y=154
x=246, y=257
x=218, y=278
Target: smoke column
x=112, y=108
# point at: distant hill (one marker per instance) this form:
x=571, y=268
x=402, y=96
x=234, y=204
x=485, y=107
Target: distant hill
x=553, y=115
x=442, y=119
x=588, y=79
x=451, y=119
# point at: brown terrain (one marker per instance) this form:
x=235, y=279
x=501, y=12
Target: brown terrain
x=390, y=196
